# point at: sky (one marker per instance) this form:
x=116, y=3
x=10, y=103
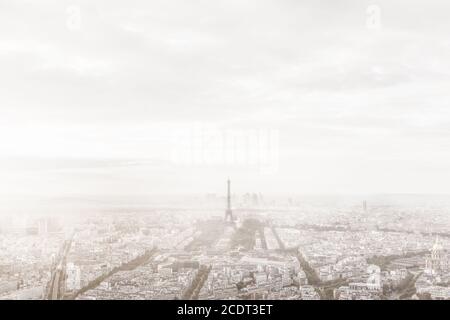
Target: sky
x=174, y=97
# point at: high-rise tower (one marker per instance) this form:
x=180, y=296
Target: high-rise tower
x=228, y=212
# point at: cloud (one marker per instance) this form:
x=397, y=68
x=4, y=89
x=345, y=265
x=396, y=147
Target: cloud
x=310, y=69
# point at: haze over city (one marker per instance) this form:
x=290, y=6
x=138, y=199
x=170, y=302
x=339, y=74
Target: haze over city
x=224, y=150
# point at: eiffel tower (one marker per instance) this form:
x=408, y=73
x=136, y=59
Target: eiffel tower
x=228, y=212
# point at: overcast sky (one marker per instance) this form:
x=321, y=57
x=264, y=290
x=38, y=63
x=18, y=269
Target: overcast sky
x=95, y=96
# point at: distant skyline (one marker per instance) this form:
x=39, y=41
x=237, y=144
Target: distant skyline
x=95, y=97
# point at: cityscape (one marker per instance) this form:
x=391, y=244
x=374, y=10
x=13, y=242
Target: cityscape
x=292, y=249
x=225, y=151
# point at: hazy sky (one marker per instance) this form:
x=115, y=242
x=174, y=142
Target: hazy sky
x=95, y=96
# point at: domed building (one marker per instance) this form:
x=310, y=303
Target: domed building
x=437, y=262
x=374, y=279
